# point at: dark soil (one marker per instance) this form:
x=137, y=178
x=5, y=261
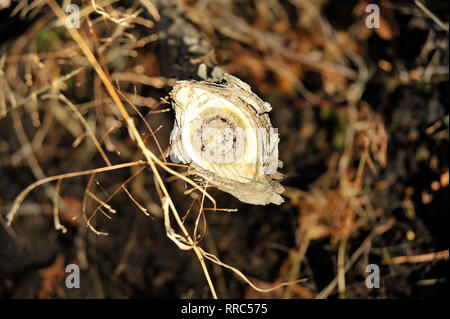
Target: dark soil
x=137, y=260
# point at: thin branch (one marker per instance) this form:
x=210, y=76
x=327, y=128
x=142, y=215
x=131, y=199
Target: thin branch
x=21, y=197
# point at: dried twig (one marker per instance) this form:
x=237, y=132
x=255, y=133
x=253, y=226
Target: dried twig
x=428, y=257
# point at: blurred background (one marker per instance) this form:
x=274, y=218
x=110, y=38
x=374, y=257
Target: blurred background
x=363, y=118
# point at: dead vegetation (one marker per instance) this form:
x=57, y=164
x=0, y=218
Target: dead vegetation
x=85, y=117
